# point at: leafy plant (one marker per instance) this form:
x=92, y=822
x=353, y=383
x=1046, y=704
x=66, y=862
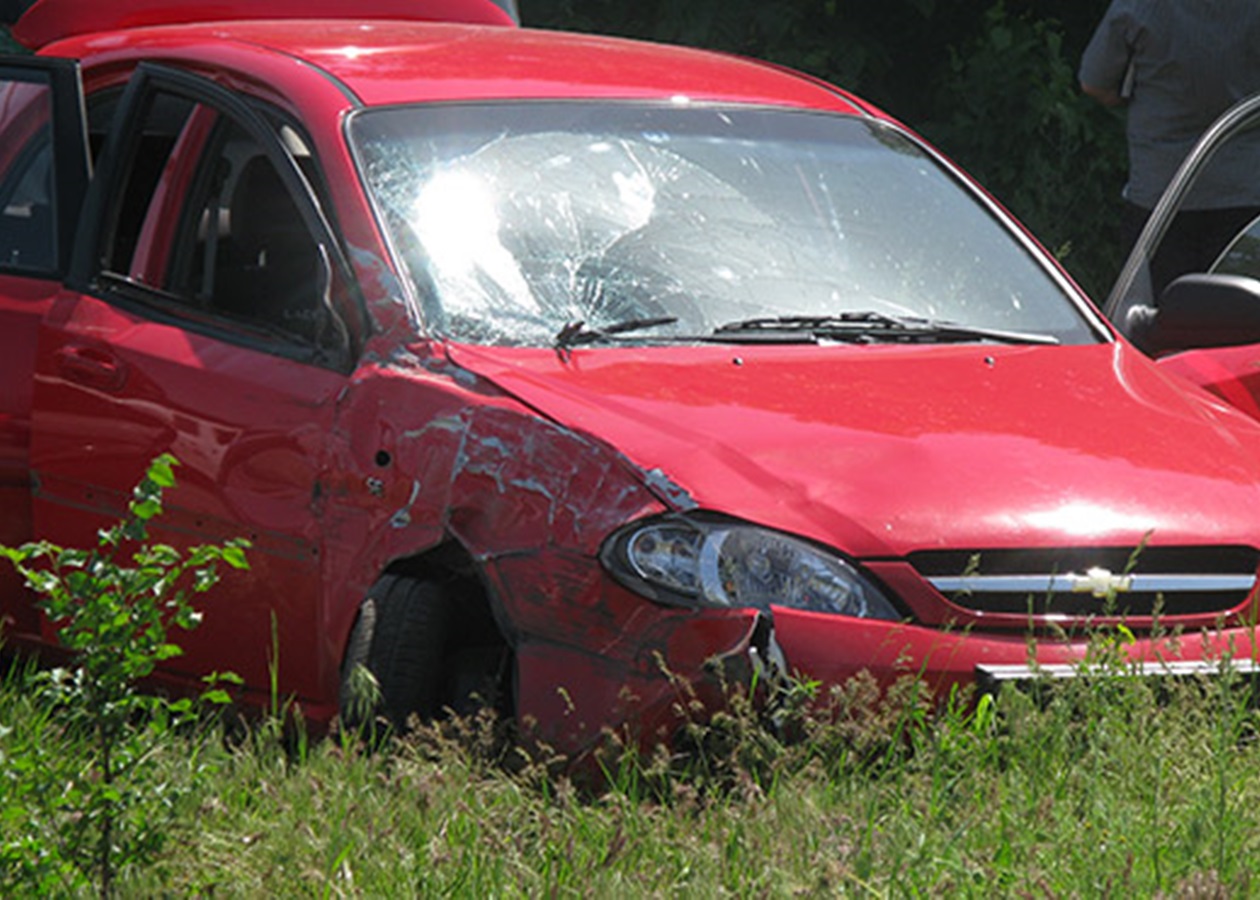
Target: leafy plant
x=114, y=606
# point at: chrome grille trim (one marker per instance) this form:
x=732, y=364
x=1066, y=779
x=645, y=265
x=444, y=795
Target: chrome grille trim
x=1064, y=583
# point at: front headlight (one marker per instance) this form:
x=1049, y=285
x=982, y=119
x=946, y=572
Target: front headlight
x=686, y=562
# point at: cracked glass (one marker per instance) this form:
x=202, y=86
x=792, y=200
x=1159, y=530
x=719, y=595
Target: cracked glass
x=512, y=222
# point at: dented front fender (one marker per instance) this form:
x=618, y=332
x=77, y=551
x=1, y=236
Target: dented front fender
x=431, y=453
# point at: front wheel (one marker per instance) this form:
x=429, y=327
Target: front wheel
x=399, y=639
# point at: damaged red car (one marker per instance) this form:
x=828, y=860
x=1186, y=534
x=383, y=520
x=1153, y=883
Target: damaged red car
x=538, y=366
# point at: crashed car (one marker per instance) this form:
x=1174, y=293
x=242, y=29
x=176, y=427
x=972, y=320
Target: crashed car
x=551, y=369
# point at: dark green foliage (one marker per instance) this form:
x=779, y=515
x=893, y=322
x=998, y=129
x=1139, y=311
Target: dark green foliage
x=1013, y=116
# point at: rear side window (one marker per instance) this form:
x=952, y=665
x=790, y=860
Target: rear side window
x=27, y=223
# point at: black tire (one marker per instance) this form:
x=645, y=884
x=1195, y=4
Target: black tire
x=399, y=637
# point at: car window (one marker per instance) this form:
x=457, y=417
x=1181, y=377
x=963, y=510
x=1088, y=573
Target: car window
x=245, y=250
x=44, y=167
x=27, y=227
x=1242, y=256
x=27, y=209
x=162, y=122
x=202, y=218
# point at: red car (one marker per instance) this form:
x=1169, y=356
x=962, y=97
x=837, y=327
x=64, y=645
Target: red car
x=538, y=365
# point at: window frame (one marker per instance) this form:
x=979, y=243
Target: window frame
x=90, y=274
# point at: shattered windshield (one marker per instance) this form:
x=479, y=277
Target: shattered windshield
x=519, y=223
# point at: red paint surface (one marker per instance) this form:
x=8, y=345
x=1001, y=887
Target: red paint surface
x=1231, y=373
x=883, y=450
x=384, y=63
x=52, y=20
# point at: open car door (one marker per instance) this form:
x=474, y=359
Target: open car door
x=1202, y=319
x=43, y=177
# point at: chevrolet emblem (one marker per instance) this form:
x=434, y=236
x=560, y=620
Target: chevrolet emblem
x=1101, y=583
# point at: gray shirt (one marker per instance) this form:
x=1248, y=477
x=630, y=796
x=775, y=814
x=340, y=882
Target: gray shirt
x=1181, y=63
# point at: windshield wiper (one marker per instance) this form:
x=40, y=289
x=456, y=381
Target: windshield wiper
x=577, y=333
x=869, y=327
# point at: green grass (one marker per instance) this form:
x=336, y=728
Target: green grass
x=1110, y=788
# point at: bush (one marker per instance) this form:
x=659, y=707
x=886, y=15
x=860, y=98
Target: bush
x=82, y=789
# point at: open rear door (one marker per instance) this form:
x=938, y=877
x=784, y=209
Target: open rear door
x=43, y=178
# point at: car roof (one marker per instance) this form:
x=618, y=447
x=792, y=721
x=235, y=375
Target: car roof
x=382, y=62
x=45, y=21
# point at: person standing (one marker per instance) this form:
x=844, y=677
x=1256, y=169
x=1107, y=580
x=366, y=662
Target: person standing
x=1177, y=65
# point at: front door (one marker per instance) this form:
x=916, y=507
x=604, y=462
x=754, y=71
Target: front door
x=198, y=322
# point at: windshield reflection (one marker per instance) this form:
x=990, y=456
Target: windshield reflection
x=513, y=222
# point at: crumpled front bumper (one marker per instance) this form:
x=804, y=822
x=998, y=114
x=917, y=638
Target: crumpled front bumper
x=572, y=697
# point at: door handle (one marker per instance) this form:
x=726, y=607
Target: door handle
x=92, y=366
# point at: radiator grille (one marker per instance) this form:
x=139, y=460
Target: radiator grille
x=1076, y=582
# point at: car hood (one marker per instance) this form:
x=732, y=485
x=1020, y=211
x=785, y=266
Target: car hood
x=881, y=450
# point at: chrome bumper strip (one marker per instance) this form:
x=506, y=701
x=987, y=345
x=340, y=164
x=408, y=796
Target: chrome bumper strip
x=993, y=674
